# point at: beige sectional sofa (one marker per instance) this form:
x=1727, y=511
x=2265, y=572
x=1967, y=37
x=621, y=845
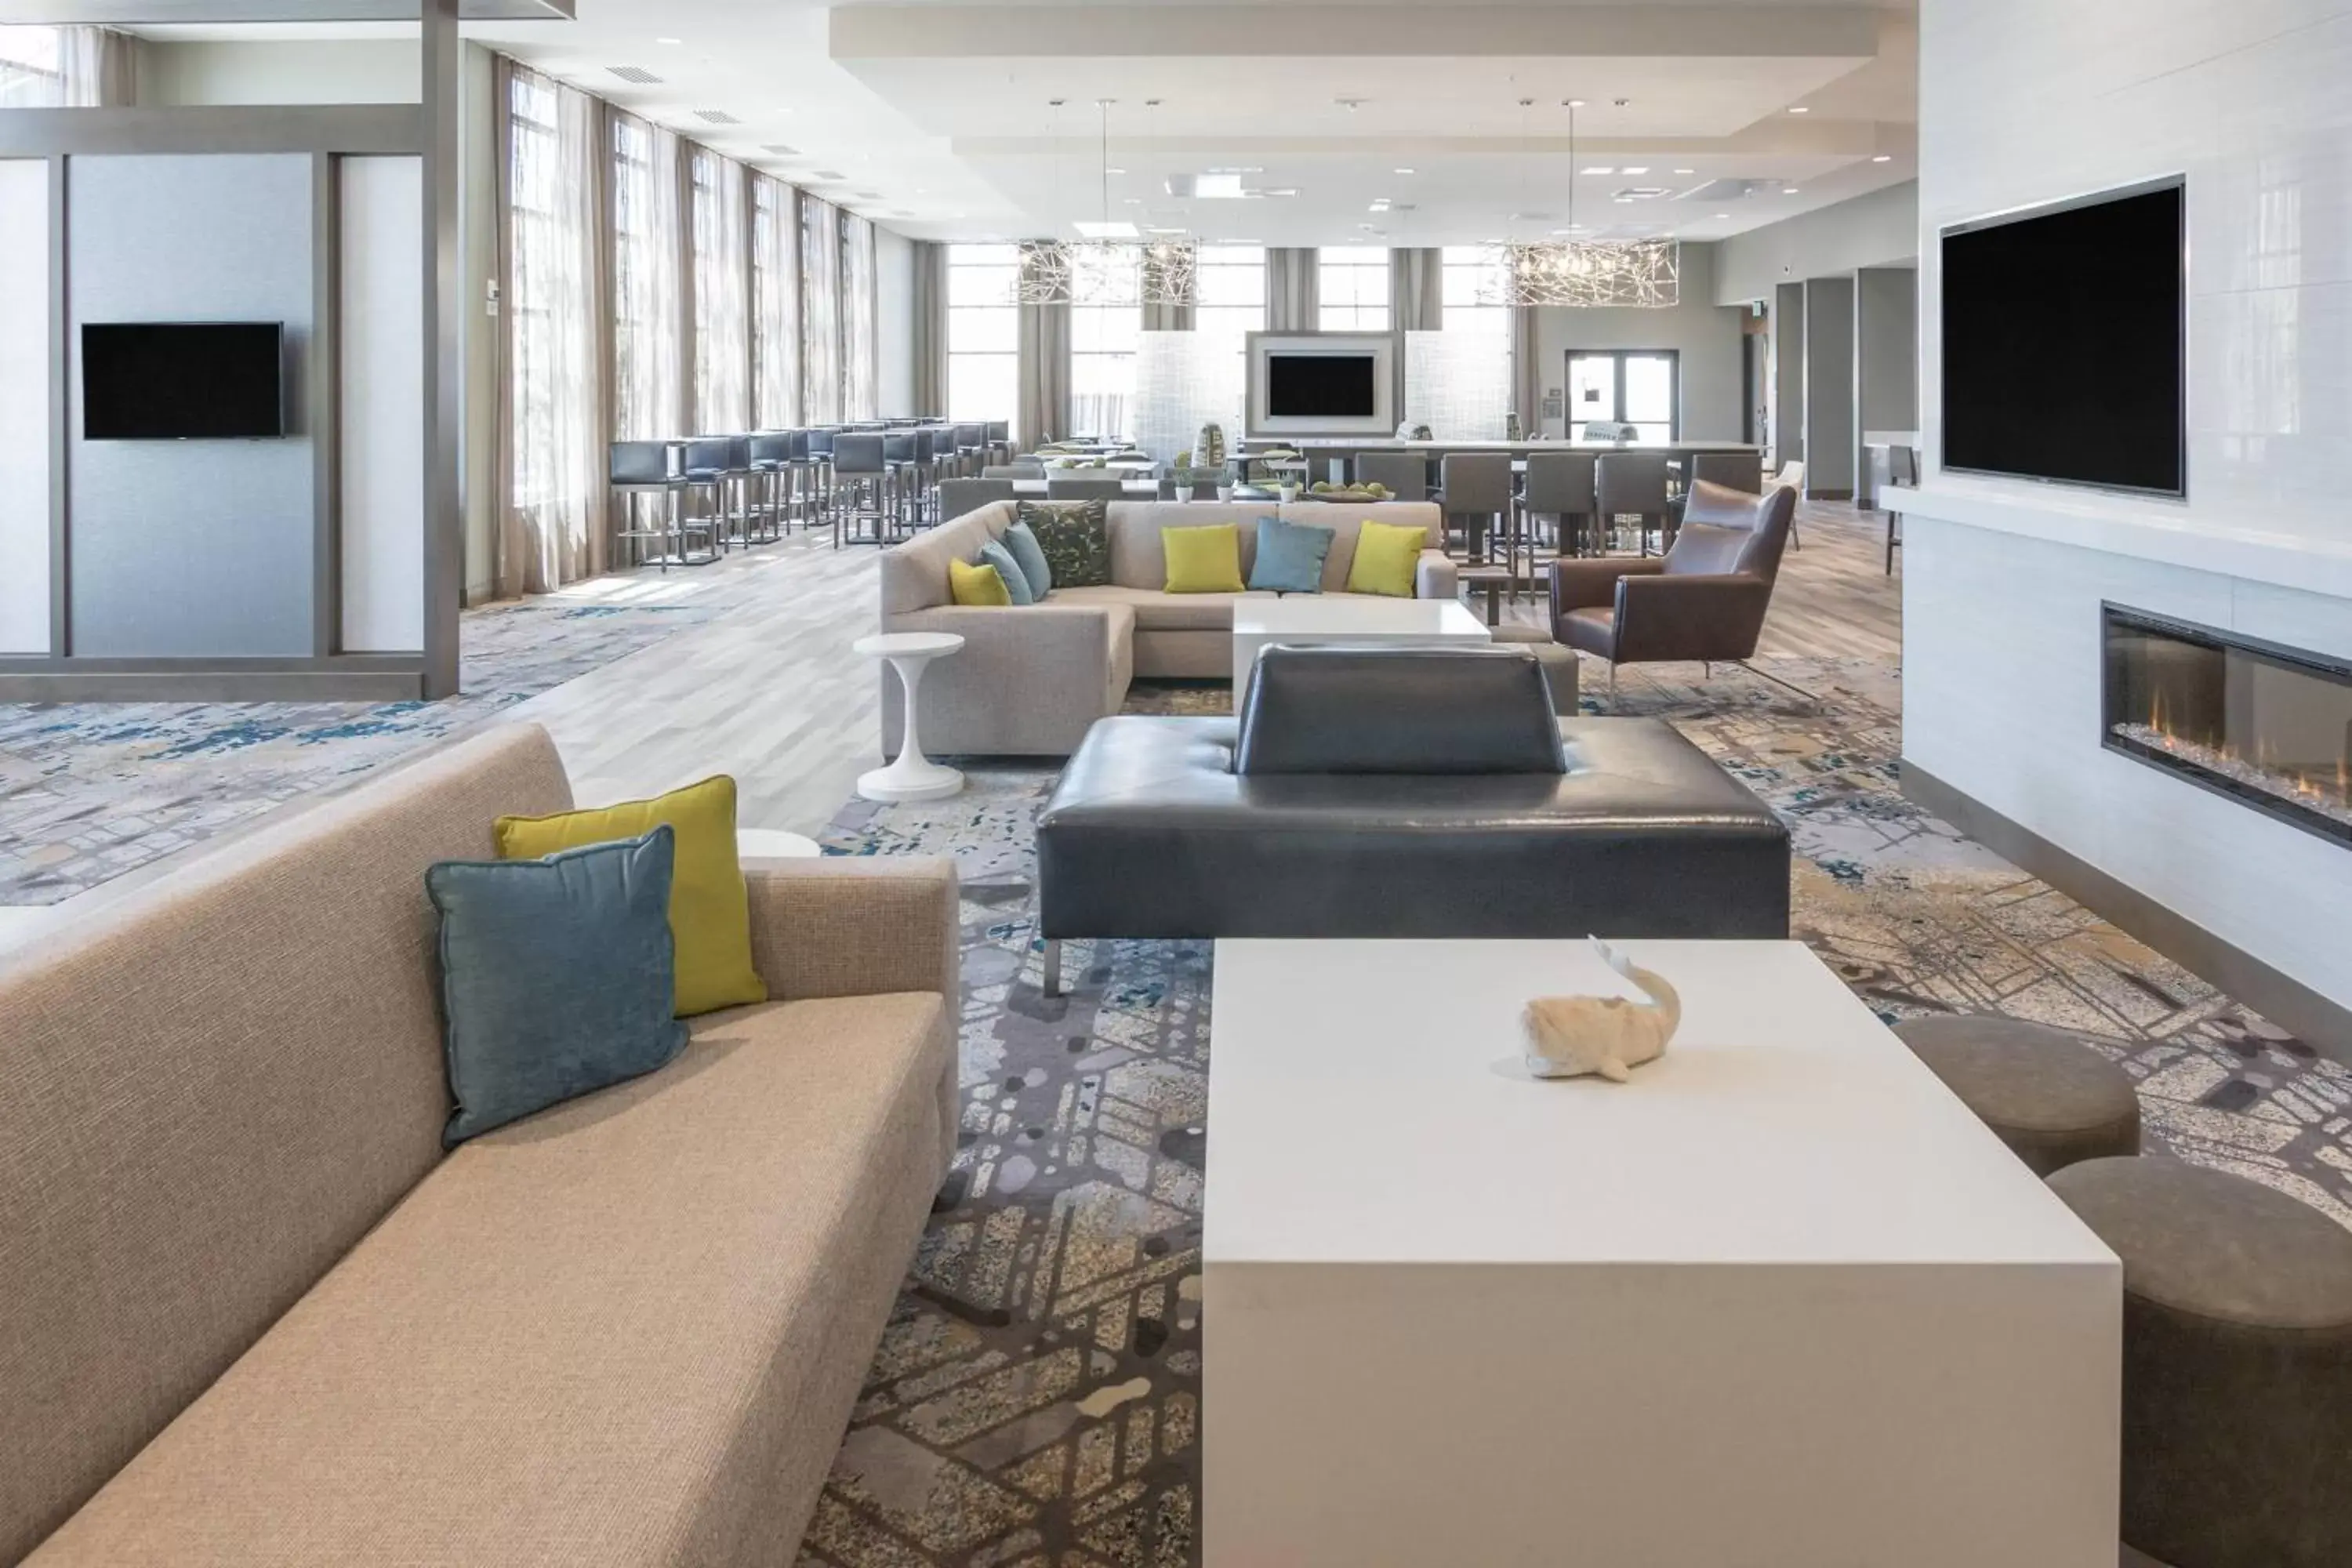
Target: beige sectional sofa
x=1030, y=681
x=255, y=1315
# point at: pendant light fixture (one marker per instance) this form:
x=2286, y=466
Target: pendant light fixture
x=1641, y=274
x=1170, y=263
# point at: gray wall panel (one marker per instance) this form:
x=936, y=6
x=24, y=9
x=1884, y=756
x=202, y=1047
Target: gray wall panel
x=1832, y=440
x=1787, y=373
x=190, y=548
x=1886, y=321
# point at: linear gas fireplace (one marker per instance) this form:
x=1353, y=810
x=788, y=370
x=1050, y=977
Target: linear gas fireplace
x=2266, y=725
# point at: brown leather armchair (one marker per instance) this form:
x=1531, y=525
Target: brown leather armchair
x=1704, y=599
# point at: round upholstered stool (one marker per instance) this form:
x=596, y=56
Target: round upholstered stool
x=2048, y=1095
x=2237, y=1364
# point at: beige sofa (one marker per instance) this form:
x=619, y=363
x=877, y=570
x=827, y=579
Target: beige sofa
x=255, y=1315
x=1030, y=681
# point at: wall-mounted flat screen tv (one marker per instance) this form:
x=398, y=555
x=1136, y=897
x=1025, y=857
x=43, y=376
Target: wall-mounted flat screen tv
x=1321, y=386
x=2063, y=343
x=182, y=381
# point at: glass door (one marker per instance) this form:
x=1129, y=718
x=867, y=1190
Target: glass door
x=1640, y=388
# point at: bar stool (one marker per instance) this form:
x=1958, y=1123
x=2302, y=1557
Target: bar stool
x=646, y=467
x=898, y=451
x=703, y=461
x=1732, y=470
x=739, y=477
x=1632, y=484
x=1476, y=486
x=972, y=448
x=998, y=437
x=821, y=438
x=1560, y=485
x=772, y=454
x=859, y=487
x=1406, y=474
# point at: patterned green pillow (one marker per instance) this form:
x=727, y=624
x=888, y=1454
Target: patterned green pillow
x=1076, y=537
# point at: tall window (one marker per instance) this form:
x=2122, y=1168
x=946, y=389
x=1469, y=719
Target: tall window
x=775, y=304
x=820, y=312
x=860, y=358
x=647, y=404
x=1229, y=282
x=31, y=68
x=1106, y=330
x=1474, y=287
x=983, y=333
x=721, y=313
x=1353, y=283
x=556, y=502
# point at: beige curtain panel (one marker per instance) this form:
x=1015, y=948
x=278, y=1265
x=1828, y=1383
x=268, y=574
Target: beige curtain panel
x=1417, y=288
x=930, y=328
x=1292, y=289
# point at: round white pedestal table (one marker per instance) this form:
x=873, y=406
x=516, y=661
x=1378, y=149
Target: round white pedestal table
x=774, y=844
x=912, y=776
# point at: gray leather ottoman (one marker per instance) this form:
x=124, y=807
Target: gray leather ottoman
x=2237, y=1418
x=1402, y=793
x=2051, y=1098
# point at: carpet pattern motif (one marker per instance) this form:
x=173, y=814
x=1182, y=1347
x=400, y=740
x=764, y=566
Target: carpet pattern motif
x=1036, y=1400
x=90, y=790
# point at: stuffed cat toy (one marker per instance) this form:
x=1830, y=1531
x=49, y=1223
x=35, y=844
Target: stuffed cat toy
x=1568, y=1037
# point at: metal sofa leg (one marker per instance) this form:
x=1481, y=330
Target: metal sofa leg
x=1052, y=966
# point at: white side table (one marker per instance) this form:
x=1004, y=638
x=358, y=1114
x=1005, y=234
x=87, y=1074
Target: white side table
x=912, y=776
x=772, y=844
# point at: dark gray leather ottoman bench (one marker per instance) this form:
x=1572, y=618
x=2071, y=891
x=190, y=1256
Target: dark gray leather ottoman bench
x=1401, y=793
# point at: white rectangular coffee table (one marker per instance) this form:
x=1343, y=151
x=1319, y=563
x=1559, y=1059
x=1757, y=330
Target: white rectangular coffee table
x=1780, y=1301
x=1350, y=619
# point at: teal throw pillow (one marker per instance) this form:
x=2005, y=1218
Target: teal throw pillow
x=1032, y=557
x=558, y=976
x=1290, y=557
x=1075, y=538
x=1016, y=581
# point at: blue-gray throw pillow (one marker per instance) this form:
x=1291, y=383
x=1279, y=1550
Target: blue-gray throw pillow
x=558, y=976
x=1290, y=556
x=1016, y=581
x=1032, y=557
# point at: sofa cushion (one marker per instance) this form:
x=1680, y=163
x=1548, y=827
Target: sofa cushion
x=1290, y=557
x=1074, y=538
x=706, y=911
x=978, y=586
x=1161, y=612
x=558, y=976
x=1387, y=556
x=1203, y=560
x=1017, y=590
x=627, y=1331
x=1023, y=542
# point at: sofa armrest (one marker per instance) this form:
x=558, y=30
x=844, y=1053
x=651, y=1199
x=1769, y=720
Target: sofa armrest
x=1024, y=675
x=857, y=926
x=1705, y=616
x=1434, y=576
x=1592, y=584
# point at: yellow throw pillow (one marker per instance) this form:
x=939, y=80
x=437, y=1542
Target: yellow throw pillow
x=1203, y=560
x=709, y=912
x=1388, y=555
x=972, y=584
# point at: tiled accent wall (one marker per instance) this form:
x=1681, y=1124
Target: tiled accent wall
x=1183, y=380
x=1458, y=383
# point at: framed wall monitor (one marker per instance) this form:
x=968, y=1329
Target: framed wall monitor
x=1322, y=384
x=2065, y=339
x=182, y=381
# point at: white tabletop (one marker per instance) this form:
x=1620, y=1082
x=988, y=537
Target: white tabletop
x=1355, y=614
x=775, y=843
x=907, y=645
x=1784, y=1124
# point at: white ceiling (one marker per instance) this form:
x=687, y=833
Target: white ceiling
x=934, y=114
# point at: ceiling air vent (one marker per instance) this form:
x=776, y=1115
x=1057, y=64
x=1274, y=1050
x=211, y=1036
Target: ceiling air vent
x=867, y=196
x=780, y=149
x=1729, y=190
x=716, y=117
x=831, y=175
x=637, y=74
x=1640, y=194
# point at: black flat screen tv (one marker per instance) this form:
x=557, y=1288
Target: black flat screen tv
x=2064, y=343
x=181, y=380
x=1321, y=386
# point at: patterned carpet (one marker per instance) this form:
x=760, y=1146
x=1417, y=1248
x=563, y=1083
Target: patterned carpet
x=1036, y=1400
x=90, y=790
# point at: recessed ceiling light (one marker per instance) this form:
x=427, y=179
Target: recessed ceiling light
x=1883, y=158
x=1685, y=171
x=1601, y=169
x=1792, y=190
x=1635, y=169
x=1109, y=171
x=669, y=40
x=1800, y=109
x=1725, y=216
x=1404, y=171
x=1572, y=103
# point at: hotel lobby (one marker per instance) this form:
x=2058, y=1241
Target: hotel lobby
x=919, y=783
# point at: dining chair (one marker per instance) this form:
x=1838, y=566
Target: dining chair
x=1560, y=485
x=1477, y=488
x=1732, y=470
x=1792, y=474
x=1406, y=474
x=1057, y=488
x=1632, y=484
x=959, y=498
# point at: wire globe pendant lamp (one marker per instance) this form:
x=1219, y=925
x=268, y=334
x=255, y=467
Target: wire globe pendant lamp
x=1108, y=266
x=1640, y=274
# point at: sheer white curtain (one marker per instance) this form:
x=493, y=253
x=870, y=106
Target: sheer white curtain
x=647, y=369
x=722, y=325
x=820, y=310
x=552, y=530
x=775, y=303
x=65, y=68
x=860, y=379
